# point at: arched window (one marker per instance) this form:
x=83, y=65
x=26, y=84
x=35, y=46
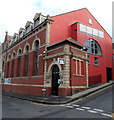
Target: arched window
x=36, y=45
x=26, y=60
x=8, y=66
x=92, y=47
x=19, y=62
x=13, y=63
x=9, y=57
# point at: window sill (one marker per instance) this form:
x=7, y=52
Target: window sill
x=96, y=65
x=78, y=75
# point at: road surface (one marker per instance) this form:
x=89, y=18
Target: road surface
x=97, y=106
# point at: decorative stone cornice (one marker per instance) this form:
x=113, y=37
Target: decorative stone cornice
x=37, y=15
x=56, y=55
x=21, y=30
x=28, y=23
x=66, y=53
x=15, y=35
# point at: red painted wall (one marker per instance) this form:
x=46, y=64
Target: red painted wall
x=63, y=27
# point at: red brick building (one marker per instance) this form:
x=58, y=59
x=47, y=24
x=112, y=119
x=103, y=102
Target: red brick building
x=48, y=57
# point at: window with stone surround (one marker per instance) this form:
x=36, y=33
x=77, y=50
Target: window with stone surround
x=21, y=34
x=79, y=67
x=19, y=62
x=36, y=57
x=36, y=22
x=13, y=64
x=26, y=60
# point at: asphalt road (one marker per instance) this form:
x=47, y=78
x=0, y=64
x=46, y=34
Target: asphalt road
x=97, y=106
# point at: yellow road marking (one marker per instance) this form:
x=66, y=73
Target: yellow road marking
x=80, y=99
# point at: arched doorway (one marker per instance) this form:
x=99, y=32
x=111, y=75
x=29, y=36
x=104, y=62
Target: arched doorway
x=55, y=77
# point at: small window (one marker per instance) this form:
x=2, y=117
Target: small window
x=14, y=39
x=83, y=28
x=90, y=21
x=95, y=32
x=82, y=68
x=27, y=29
x=36, y=22
x=101, y=34
x=89, y=30
x=78, y=67
x=20, y=35
x=96, y=61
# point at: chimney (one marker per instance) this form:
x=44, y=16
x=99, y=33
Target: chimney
x=6, y=36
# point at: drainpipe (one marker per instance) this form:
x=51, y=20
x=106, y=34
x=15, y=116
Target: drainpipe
x=71, y=68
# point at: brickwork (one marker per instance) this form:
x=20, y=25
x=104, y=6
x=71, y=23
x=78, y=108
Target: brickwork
x=62, y=50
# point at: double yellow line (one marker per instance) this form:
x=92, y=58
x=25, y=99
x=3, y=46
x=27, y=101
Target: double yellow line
x=80, y=99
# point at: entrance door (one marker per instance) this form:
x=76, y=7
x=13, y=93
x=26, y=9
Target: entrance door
x=55, y=77
x=109, y=74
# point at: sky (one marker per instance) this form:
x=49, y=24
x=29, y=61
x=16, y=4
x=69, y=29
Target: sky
x=15, y=13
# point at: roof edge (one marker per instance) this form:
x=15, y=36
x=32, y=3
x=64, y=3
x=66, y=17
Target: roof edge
x=69, y=12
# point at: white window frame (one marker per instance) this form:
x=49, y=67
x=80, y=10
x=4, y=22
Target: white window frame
x=90, y=21
x=96, y=62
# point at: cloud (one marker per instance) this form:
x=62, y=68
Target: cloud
x=59, y=6
x=15, y=13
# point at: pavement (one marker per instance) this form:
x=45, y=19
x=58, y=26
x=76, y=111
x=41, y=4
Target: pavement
x=55, y=100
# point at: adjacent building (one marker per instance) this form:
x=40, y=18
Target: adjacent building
x=113, y=62
x=57, y=55
x=0, y=61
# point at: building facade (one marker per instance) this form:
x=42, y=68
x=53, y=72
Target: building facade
x=84, y=28
x=57, y=55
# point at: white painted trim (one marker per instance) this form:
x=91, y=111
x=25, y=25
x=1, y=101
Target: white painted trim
x=25, y=39
x=54, y=63
x=33, y=43
x=45, y=86
x=27, y=77
x=13, y=54
x=77, y=59
x=25, y=85
x=55, y=49
x=24, y=50
x=87, y=80
x=18, y=51
x=73, y=87
x=9, y=58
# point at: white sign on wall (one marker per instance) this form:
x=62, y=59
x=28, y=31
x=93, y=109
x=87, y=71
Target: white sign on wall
x=61, y=60
x=7, y=81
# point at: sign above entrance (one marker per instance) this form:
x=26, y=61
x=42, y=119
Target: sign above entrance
x=61, y=61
